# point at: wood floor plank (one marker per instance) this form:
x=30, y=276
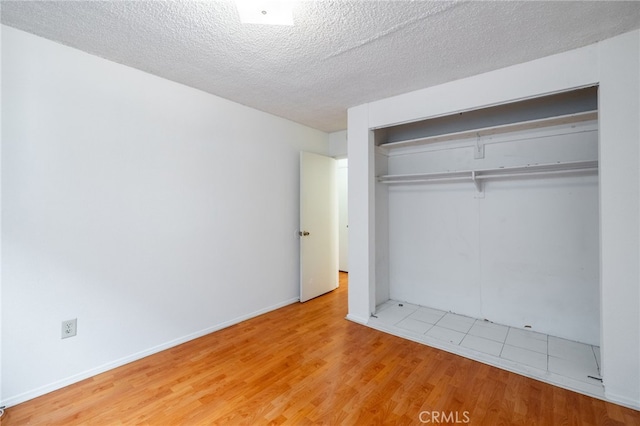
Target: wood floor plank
x=306, y=364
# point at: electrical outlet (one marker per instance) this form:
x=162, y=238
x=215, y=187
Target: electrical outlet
x=69, y=328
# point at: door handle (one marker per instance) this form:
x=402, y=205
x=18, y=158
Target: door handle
x=303, y=233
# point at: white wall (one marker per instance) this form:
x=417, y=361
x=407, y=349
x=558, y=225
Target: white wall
x=524, y=252
x=362, y=215
x=148, y=210
x=338, y=144
x=1, y=399
x=619, y=99
x=613, y=64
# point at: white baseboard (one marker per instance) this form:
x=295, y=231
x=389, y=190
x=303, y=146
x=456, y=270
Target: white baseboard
x=621, y=400
x=359, y=320
x=26, y=396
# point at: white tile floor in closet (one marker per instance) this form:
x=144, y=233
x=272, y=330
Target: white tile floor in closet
x=561, y=362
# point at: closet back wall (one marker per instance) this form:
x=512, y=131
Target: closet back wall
x=524, y=252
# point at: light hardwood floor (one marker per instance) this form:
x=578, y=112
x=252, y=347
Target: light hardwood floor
x=306, y=364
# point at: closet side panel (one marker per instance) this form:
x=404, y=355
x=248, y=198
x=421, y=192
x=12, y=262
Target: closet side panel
x=382, y=233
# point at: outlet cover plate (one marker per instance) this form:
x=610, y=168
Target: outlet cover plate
x=69, y=328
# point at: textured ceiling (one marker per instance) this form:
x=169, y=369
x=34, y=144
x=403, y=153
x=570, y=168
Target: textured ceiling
x=338, y=54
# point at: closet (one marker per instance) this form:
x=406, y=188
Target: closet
x=494, y=214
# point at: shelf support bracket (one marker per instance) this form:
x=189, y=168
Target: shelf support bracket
x=478, y=153
x=477, y=184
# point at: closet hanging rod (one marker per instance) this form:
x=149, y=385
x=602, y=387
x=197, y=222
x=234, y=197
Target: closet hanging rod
x=494, y=173
x=537, y=173
x=434, y=179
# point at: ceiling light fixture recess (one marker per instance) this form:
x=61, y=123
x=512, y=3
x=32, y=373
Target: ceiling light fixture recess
x=265, y=12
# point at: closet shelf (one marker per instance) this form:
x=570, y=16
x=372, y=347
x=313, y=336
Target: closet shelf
x=493, y=130
x=477, y=176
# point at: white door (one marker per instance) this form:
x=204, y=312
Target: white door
x=318, y=225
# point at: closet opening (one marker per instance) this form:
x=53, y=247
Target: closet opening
x=487, y=235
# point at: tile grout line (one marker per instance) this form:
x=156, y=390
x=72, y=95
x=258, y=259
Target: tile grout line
x=547, y=350
x=505, y=342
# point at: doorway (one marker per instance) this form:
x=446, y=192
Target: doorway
x=343, y=215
